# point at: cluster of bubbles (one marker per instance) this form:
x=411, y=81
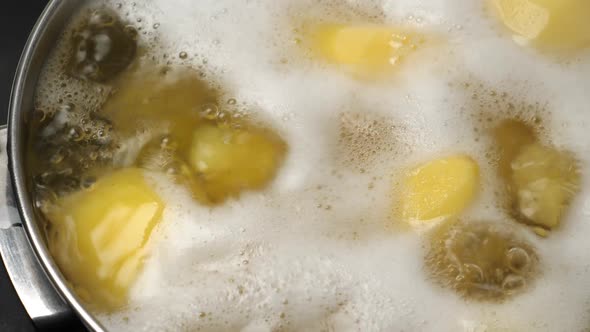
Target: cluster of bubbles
x=228, y=115
x=103, y=48
x=71, y=142
x=488, y=106
x=365, y=136
x=370, y=11
x=482, y=261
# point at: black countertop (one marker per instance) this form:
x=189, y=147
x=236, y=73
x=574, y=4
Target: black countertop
x=16, y=21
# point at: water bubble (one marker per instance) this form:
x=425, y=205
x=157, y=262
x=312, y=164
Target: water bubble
x=76, y=134
x=232, y=101
x=65, y=172
x=172, y=170
x=513, y=282
x=93, y=155
x=518, y=259
x=481, y=261
x=70, y=183
x=165, y=142
x=474, y=272
x=183, y=55
x=69, y=107
x=43, y=179
x=156, y=25
x=87, y=182
x=132, y=31
x=209, y=111
x=39, y=115
x=44, y=199
x=101, y=18
x=57, y=157
x=102, y=137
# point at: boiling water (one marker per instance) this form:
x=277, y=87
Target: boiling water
x=316, y=250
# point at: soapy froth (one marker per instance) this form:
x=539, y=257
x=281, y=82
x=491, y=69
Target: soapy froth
x=315, y=250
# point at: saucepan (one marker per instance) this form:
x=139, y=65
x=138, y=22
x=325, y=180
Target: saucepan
x=42, y=288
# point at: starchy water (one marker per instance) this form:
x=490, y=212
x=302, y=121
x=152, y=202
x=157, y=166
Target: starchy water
x=314, y=243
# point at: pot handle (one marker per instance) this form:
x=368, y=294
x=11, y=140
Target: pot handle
x=46, y=308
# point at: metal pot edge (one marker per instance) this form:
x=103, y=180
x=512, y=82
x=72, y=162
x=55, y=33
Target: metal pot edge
x=39, y=44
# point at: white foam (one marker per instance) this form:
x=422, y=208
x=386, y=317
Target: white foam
x=306, y=259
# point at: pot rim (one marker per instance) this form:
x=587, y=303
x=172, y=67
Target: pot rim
x=16, y=154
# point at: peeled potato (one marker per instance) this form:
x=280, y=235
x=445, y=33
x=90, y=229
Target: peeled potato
x=555, y=24
x=232, y=160
x=439, y=189
x=365, y=49
x=170, y=99
x=98, y=236
x=161, y=155
x=510, y=136
x=545, y=181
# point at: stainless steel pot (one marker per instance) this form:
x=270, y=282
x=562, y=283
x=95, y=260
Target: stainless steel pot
x=39, y=283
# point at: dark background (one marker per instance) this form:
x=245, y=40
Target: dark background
x=16, y=21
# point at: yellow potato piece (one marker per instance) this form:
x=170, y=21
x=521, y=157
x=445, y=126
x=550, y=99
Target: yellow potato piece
x=98, y=236
x=555, y=24
x=161, y=155
x=439, y=189
x=545, y=181
x=172, y=99
x=510, y=136
x=365, y=49
x=231, y=160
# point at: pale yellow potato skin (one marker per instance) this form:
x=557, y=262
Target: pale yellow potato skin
x=232, y=160
x=552, y=24
x=99, y=236
x=545, y=181
x=439, y=189
x=364, y=50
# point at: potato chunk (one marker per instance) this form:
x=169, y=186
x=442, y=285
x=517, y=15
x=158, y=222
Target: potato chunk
x=364, y=49
x=439, y=189
x=510, y=136
x=98, y=236
x=231, y=160
x=161, y=155
x=545, y=181
x=555, y=24
x=169, y=99
x=540, y=180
